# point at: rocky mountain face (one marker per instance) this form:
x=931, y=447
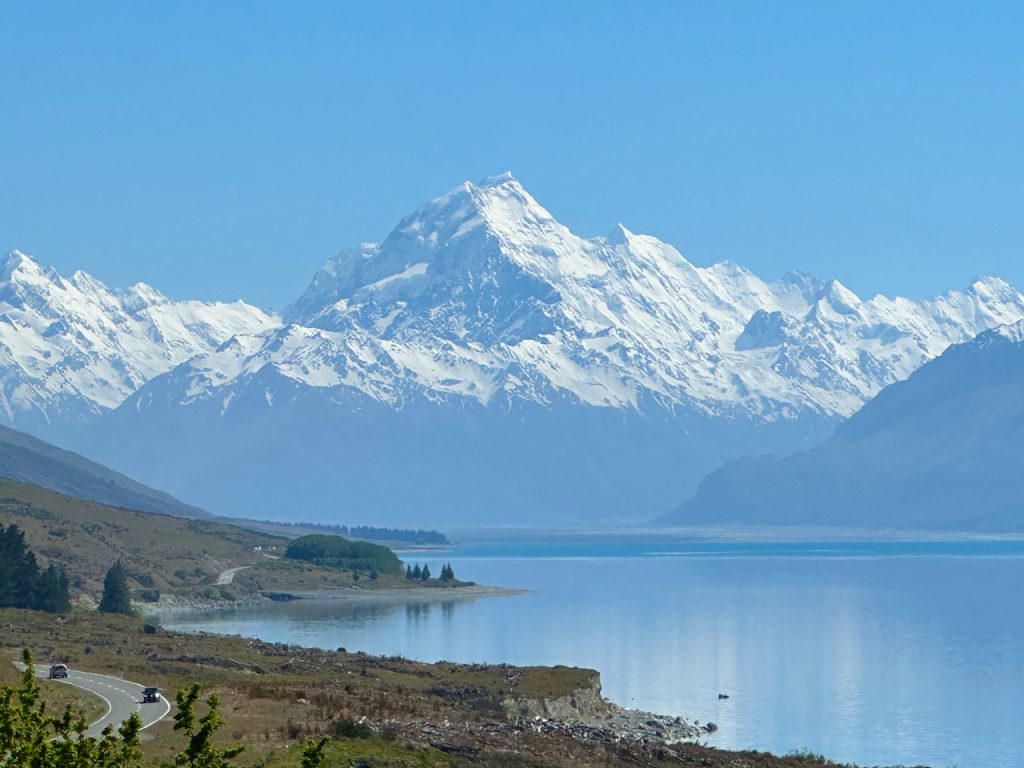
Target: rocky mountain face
x=484, y=363
x=938, y=451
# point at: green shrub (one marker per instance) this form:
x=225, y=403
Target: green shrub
x=347, y=728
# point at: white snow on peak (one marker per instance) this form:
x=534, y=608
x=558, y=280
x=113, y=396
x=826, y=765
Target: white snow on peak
x=71, y=346
x=1013, y=333
x=482, y=294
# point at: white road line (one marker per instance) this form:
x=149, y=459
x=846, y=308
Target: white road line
x=110, y=707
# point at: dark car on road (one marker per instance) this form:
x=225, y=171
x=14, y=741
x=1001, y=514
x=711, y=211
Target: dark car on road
x=58, y=670
x=150, y=695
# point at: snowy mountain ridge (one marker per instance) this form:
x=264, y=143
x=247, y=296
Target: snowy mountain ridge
x=71, y=348
x=482, y=294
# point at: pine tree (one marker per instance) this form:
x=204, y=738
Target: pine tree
x=408, y=572
x=425, y=573
x=19, y=572
x=417, y=573
x=116, y=598
x=52, y=591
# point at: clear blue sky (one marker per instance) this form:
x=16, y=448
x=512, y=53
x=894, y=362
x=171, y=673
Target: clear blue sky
x=224, y=150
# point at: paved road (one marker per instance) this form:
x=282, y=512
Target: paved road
x=122, y=698
x=228, y=576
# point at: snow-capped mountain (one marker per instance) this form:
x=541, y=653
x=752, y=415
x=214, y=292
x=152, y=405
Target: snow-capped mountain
x=940, y=450
x=484, y=357
x=71, y=348
x=482, y=294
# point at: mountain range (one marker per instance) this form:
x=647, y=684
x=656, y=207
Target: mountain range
x=482, y=364
x=940, y=450
x=72, y=349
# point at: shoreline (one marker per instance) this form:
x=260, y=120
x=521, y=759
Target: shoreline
x=170, y=605
x=601, y=721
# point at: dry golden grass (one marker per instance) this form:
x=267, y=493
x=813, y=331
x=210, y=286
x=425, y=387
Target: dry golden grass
x=158, y=551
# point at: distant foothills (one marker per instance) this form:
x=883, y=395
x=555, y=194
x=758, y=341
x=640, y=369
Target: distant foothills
x=484, y=365
x=167, y=561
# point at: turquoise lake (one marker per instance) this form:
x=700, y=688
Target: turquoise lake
x=878, y=653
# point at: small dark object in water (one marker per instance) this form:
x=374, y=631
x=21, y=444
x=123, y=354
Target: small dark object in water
x=723, y=696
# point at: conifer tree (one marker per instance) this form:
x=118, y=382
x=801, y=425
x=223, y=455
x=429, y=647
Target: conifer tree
x=416, y=572
x=116, y=598
x=408, y=572
x=22, y=584
x=52, y=591
x=425, y=573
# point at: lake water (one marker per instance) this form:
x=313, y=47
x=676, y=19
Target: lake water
x=878, y=653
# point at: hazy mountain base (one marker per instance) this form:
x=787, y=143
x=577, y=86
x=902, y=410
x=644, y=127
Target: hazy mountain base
x=283, y=451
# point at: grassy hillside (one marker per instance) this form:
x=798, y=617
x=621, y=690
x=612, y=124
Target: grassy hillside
x=159, y=551
x=29, y=460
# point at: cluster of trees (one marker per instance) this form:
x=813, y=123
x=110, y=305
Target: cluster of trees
x=23, y=584
x=410, y=535
x=418, y=573
x=31, y=737
x=405, y=535
x=339, y=552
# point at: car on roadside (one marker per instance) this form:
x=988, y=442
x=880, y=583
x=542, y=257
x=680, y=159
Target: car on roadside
x=150, y=695
x=58, y=671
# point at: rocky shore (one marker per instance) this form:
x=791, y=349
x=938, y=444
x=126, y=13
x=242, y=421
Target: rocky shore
x=632, y=725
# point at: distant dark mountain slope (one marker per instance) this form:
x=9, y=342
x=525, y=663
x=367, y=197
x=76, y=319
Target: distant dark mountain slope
x=29, y=460
x=941, y=450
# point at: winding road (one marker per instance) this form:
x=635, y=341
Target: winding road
x=228, y=576
x=121, y=696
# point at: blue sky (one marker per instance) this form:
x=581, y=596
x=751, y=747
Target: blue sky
x=224, y=150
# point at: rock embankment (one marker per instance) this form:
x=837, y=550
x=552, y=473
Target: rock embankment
x=584, y=702
x=586, y=715
x=634, y=725
x=176, y=604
